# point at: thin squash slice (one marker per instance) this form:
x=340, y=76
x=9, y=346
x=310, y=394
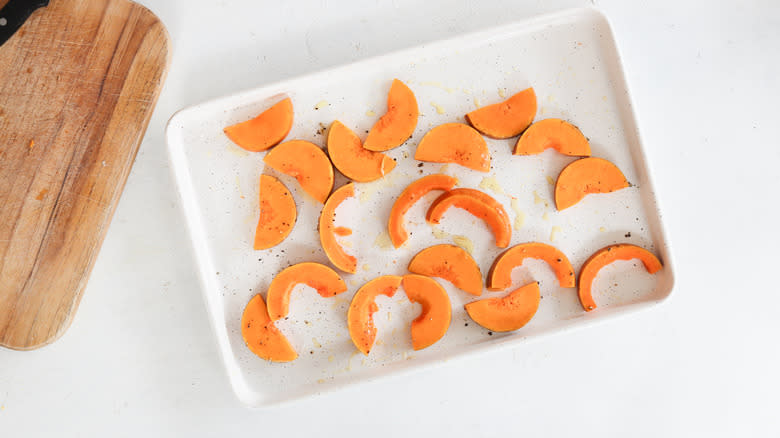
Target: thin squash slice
x=264, y=131
x=352, y=159
x=307, y=163
x=360, y=316
x=455, y=143
x=261, y=335
x=553, y=133
x=277, y=213
x=605, y=256
x=585, y=176
x=500, y=275
x=323, y=279
x=398, y=123
x=451, y=263
x=434, y=319
x=333, y=250
x=508, y=313
x=505, y=119
x=410, y=195
x=495, y=218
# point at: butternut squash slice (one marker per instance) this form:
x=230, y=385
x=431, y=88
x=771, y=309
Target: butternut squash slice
x=500, y=275
x=451, y=263
x=325, y=280
x=479, y=195
x=553, y=133
x=360, y=316
x=410, y=195
x=605, y=256
x=585, y=176
x=508, y=313
x=505, y=119
x=333, y=250
x=434, y=320
x=307, y=163
x=495, y=217
x=264, y=131
x=261, y=335
x=352, y=159
x=277, y=213
x=455, y=143
x=398, y=123
x=342, y=231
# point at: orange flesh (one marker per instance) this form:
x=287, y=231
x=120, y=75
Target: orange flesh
x=605, y=256
x=505, y=119
x=495, y=219
x=333, y=250
x=434, y=320
x=307, y=163
x=277, y=213
x=398, y=123
x=500, y=274
x=325, y=280
x=360, y=317
x=410, y=195
x=451, y=263
x=585, y=176
x=553, y=133
x=508, y=313
x=342, y=231
x=352, y=159
x=261, y=335
x=455, y=143
x=265, y=130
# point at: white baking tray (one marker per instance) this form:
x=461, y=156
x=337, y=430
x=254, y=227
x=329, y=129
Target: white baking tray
x=569, y=58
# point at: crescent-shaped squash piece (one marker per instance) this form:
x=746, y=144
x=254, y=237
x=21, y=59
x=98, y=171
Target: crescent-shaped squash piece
x=451, y=263
x=277, y=213
x=505, y=119
x=333, y=250
x=585, y=176
x=352, y=159
x=307, y=163
x=265, y=130
x=479, y=195
x=500, y=275
x=398, y=123
x=410, y=195
x=494, y=215
x=605, y=256
x=553, y=133
x=261, y=335
x=360, y=316
x=455, y=143
x=325, y=280
x=507, y=313
x=434, y=320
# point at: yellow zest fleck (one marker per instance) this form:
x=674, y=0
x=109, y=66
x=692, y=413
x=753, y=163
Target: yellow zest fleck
x=501, y=92
x=316, y=344
x=539, y=200
x=464, y=242
x=370, y=113
x=321, y=104
x=438, y=233
x=519, y=215
x=490, y=183
x=320, y=380
x=546, y=216
x=331, y=358
x=439, y=108
x=550, y=180
x=405, y=154
x=602, y=229
x=476, y=102
x=554, y=232
x=366, y=268
x=466, y=91
x=383, y=240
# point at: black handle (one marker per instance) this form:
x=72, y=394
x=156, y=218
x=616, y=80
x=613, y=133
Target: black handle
x=14, y=14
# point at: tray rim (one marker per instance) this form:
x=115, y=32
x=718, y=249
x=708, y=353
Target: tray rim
x=181, y=178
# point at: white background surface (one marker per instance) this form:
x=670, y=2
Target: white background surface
x=140, y=358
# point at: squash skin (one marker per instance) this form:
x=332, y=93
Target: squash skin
x=325, y=280
x=333, y=250
x=277, y=213
x=505, y=119
x=605, y=256
x=586, y=176
x=500, y=274
x=264, y=131
x=410, y=195
x=508, y=313
x=456, y=143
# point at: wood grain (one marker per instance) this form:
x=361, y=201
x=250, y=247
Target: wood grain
x=78, y=83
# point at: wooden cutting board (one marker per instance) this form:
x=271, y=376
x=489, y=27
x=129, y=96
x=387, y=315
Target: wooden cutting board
x=78, y=83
